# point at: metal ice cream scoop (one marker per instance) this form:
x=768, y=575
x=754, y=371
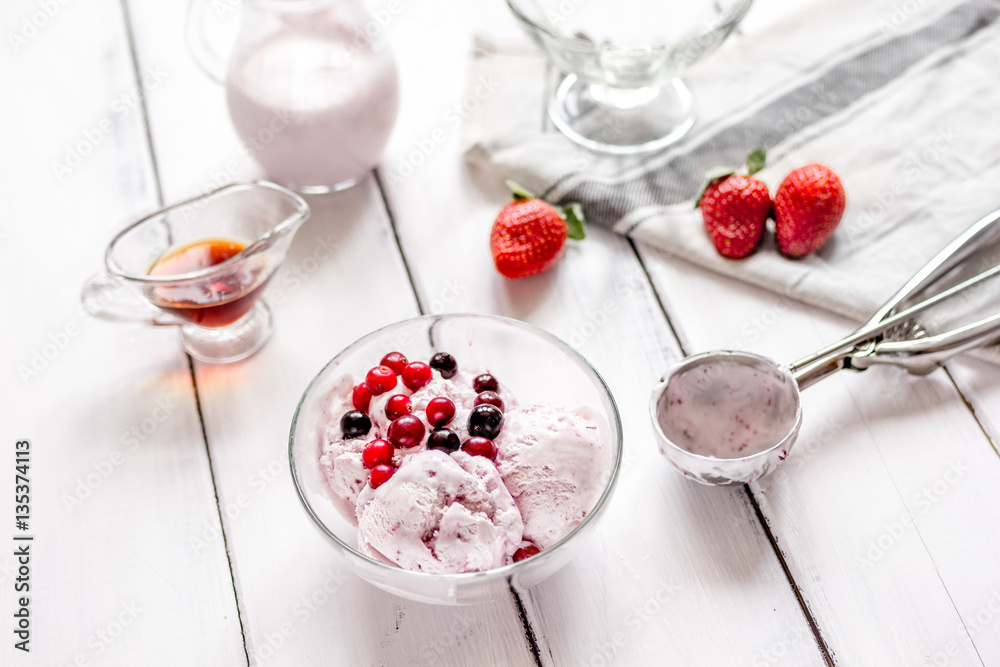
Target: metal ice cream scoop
x=893, y=335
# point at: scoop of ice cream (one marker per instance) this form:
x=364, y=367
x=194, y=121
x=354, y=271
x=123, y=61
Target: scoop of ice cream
x=340, y=458
x=440, y=513
x=554, y=462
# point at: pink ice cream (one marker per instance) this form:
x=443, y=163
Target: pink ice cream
x=454, y=512
x=441, y=513
x=554, y=463
x=727, y=410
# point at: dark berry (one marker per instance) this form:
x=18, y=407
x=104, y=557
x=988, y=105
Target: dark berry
x=396, y=361
x=490, y=398
x=407, y=431
x=485, y=421
x=445, y=364
x=380, y=474
x=444, y=438
x=440, y=411
x=377, y=452
x=527, y=551
x=477, y=446
x=416, y=374
x=361, y=397
x=485, y=382
x=355, y=424
x=397, y=406
x=380, y=380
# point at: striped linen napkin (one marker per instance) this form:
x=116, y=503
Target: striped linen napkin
x=900, y=98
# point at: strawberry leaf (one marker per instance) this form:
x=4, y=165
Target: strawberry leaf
x=519, y=191
x=756, y=161
x=573, y=214
x=711, y=176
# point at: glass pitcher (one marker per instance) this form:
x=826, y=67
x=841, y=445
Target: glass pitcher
x=311, y=87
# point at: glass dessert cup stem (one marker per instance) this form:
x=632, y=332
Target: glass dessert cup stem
x=622, y=121
x=237, y=341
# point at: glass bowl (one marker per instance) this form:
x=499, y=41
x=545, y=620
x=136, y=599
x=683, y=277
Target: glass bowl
x=521, y=356
x=622, y=61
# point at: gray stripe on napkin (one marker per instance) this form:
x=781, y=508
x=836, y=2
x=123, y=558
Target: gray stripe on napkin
x=837, y=89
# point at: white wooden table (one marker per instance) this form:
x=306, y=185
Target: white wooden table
x=166, y=527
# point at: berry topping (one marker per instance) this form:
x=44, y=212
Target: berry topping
x=377, y=452
x=361, y=397
x=380, y=474
x=407, y=431
x=445, y=439
x=485, y=382
x=445, y=364
x=380, y=380
x=355, y=424
x=490, y=398
x=478, y=446
x=416, y=374
x=397, y=406
x=440, y=411
x=527, y=551
x=396, y=361
x=485, y=421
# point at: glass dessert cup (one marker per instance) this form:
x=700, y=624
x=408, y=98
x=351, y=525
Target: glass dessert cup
x=217, y=306
x=520, y=354
x=903, y=332
x=622, y=92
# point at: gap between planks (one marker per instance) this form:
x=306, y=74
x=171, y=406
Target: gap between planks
x=154, y=167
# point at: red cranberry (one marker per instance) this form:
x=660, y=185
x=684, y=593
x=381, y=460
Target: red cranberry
x=380, y=474
x=361, y=397
x=444, y=439
x=490, y=398
x=486, y=421
x=377, y=452
x=380, y=380
x=355, y=424
x=416, y=374
x=527, y=551
x=407, y=431
x=396, y=361
x=479, y=446
x=445, y=364
x=397, y=406
x=440, y=411
x=485, y=382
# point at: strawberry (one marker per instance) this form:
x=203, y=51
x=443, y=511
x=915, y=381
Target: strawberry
x=808, y=205
x=529, y=235
x=734, y=208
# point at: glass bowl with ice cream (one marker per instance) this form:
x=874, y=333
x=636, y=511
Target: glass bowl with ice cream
x=449, y=457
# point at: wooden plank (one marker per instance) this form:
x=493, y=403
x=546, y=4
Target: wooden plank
x=120, y=476
x=891, y=472
x=643, y=589
x=299, y=606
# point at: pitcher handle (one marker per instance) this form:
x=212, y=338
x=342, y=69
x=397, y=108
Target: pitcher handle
x=208, y=59
x=105, y=298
